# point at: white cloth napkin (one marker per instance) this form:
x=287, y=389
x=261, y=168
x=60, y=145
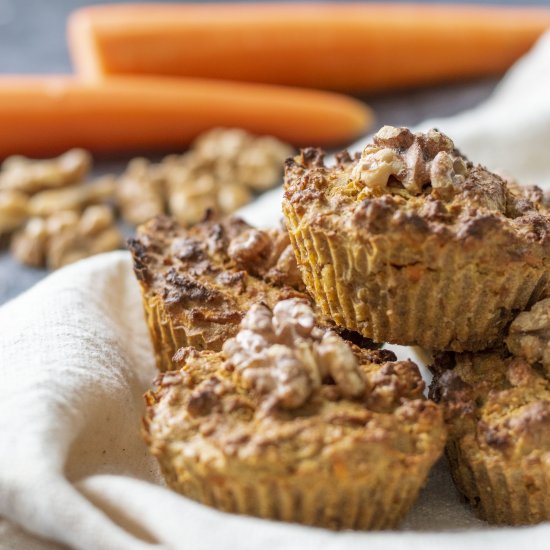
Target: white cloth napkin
x=75, y=359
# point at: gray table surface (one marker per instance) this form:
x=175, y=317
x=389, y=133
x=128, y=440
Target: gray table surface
x=32, y=40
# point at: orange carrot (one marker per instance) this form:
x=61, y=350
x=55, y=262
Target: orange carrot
x=339, y=46
x=46, y=115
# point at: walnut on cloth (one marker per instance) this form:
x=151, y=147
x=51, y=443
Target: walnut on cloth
x=220, y=173
x=13, y=210
x=66, y=237
x=30, y=176
x=46, y=204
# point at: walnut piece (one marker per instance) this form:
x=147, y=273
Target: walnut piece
x=140, y=192
x=30, y=176
x=75, y=197
x=285, y=356
x=66, y=237
x=400, y=160
x=250, y=249
x=217, y=174
x=13, y=210
x=529, y=335
x=267, y=254
x=231, y=196
x=29, y=245
x=189, y=198
x=259, y=164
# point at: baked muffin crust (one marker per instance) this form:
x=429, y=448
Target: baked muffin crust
x=497, y=408
x=291, y=422
x=197, y=283
x=409, y=242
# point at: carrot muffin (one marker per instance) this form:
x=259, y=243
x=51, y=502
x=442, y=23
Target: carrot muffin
x=197, y=283
x=290, y=422
x=497, y=407
x=411, y=243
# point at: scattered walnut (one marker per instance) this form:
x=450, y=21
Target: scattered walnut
x=91, y=234
x=231, y=196
x=400, y=160
x=188, y=207
x=529, y=334
x=284, y=355
x=29, y=245
x=259, y=165
x=29, y=176
x=75, y=198
x=95, y=219
x=65, y=237
x=222, y=144
x=220, y=171
x=140, y=191
x=13, y=210
x=218, y=174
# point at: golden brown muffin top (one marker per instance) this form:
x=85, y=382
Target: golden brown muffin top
x=286, y=396
x=229, y=246
x=501, y=397
x=207, y=276
x=416, y=185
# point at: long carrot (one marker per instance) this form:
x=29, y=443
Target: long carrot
x=47, y=115
x=343, y=46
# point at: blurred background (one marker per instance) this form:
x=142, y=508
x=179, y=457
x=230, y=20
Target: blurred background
x=33, y=40
x=32, y=32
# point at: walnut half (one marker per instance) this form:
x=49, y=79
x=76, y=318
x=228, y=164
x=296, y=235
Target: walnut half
x=30, y=176
x=529, y=335
x=401, y=161
x=66, y=237
x=285, y=356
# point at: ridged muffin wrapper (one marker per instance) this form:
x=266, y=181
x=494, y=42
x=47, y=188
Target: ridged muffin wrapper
x=370, y=504
x=502, y=492
x=449, y=309
x=166, y=337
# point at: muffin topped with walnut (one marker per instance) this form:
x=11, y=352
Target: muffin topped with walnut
x=198, y=283
x=291, y=422
x=410, y=243
x=497, y=407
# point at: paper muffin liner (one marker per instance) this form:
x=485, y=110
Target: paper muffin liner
x=166, y=337
x=370, y=504
x=502, y=492
x=456, y=308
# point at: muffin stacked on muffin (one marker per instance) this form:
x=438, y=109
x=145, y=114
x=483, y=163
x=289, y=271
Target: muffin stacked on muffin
x=291, y=422
x=497, y=407
x=410, y=243
x=197, y=283
x=267, y=411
